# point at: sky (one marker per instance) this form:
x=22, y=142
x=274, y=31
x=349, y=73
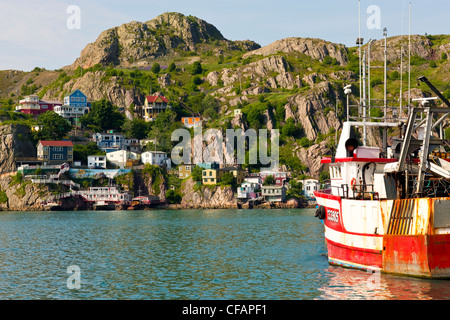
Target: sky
x=49, y=34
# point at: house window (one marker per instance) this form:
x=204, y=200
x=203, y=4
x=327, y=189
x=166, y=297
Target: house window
x=57, y=157
x=72, y=99
x=78, y=99
x=58, y=149
x=45, y=156
x=69, y=156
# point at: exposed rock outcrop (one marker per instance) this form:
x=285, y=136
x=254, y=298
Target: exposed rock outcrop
x=135, y=44
x=309, y=110
x=95, y=88
x=215, y=197
x=315, y=48
x=22, y=196
x=14, y=142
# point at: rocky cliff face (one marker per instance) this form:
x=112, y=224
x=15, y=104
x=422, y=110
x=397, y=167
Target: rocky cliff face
x=310, y=110
x=14, y=142
x=168, y=35
x=315, y=48
x=207, y=197
x=21, y=196
x=96, y=88
x=398, y=46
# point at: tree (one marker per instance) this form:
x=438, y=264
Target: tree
x=295, y=189
x=228, y=179
x=81, y=152
x=196, y=173
x=136, y=128
x=156, y=68
x=290, y=129
x=197, y=80
x=171, y=67
x=197, y=68
x=173, y=197
x=52, y=126
x=269, y=180
x=103, y=116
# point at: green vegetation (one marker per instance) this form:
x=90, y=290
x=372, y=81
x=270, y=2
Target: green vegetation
x=173, y=196
x=3, y=197
x=103, y=116
x=81, y=152
x=228, y=179
x=52, y=127
x=269, y=181
x=295, y=189
x=196, y=173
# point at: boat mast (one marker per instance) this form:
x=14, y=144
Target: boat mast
x=385, y=90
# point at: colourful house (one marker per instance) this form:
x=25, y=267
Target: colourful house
x=153, y=106
x=190, y=122
x=75, y=106
x=33, y=105
x=210, y=176
x=55, y=152
x=185, y=170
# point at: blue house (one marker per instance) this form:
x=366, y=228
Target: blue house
x=76, y=99
x=109, y=141
x=55, y=152
x=75, y=106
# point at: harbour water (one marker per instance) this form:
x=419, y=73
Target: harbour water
x=184, y=254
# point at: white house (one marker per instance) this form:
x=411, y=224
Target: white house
x=247, y=190
x=274, y=193
x=96, y=162
x=156, y=158
x=309, y=186
x=122, y=158
x=256, y=181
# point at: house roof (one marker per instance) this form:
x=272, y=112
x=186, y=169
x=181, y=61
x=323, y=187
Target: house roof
x=63, y=143
x=154, y=98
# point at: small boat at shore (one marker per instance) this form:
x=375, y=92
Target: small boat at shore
x=103, y=205
x=143, y=202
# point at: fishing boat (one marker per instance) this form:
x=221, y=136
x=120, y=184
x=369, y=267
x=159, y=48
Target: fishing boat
x=142, y=202
x=388, y=209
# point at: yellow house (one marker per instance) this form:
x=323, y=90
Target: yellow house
x=210, y=176
x=153, y=106
x=213, y=176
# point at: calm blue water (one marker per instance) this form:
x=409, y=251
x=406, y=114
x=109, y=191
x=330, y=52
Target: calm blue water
x=189, y=254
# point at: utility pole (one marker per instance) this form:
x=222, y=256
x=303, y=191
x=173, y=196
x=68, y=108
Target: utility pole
x=364, y=101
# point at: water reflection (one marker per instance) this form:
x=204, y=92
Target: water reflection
x=349, y=284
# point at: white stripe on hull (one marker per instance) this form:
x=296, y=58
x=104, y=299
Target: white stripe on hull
x=354, y=240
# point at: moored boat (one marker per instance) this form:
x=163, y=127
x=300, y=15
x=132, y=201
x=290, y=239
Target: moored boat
x=388, y=209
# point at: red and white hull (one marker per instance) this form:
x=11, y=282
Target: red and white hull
x=392, y=236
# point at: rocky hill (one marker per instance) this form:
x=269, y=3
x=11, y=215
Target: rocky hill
x=293, y=84
x=137, y=44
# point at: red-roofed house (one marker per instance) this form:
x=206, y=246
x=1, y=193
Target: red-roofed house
x=154, y=105
x=33, y=105
x=55, y=152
